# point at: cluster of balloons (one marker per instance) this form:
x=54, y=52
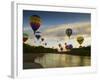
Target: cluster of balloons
x=35, y=22
x=70, y=46
x=67, y=46
x=69, y=33
x=42, y=40
x=60, y=46
x=80, y=39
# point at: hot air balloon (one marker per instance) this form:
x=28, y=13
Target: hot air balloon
x=25, y=37
x=35, y=22
x=59, y=45
x=65, y=43
x=61, y=48
x=45, y=44
x=42, y=39
x=69, y=32
x=70, y=46
x=38, y=35
x=80, y=40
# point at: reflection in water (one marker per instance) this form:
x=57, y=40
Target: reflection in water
x=62, y=60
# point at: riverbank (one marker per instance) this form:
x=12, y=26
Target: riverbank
x=37, y=50
x=28, y=61
x=85, y=51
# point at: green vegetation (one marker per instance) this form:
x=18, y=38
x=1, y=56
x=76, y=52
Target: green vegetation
x=39, y=49
x=83, y=51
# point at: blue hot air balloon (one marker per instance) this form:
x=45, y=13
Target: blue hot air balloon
x=38, y=35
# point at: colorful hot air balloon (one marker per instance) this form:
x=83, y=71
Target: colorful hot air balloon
x=38, y=35
x=70, y=46
x=69, y=32
x=35, y=22
x=80, y=39
x=25, y=37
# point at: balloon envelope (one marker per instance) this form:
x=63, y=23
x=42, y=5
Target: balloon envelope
x=70, y=46
x=42, y=39
x=35, y=22
x=69, y=32
x=80, y=39
x=59, y=45
x=61, y=48
x=38, y=34
x=65, y=44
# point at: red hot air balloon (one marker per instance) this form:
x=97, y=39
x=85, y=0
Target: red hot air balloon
x=35, y=22
x=25, y=37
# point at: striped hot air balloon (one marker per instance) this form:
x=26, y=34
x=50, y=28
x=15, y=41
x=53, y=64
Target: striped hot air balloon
x=35, y=22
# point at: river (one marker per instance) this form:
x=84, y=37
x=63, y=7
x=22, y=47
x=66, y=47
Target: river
x=63, y=60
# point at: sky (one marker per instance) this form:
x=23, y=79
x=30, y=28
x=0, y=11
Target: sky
x=54, y=25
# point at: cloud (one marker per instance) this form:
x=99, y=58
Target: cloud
x=55, y=34
x=29, y=32
x=82, y=28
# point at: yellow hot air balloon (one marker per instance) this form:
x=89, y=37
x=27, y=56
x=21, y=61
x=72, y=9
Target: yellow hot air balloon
x=80, y=40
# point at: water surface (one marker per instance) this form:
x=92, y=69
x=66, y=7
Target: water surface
x=50, y=60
